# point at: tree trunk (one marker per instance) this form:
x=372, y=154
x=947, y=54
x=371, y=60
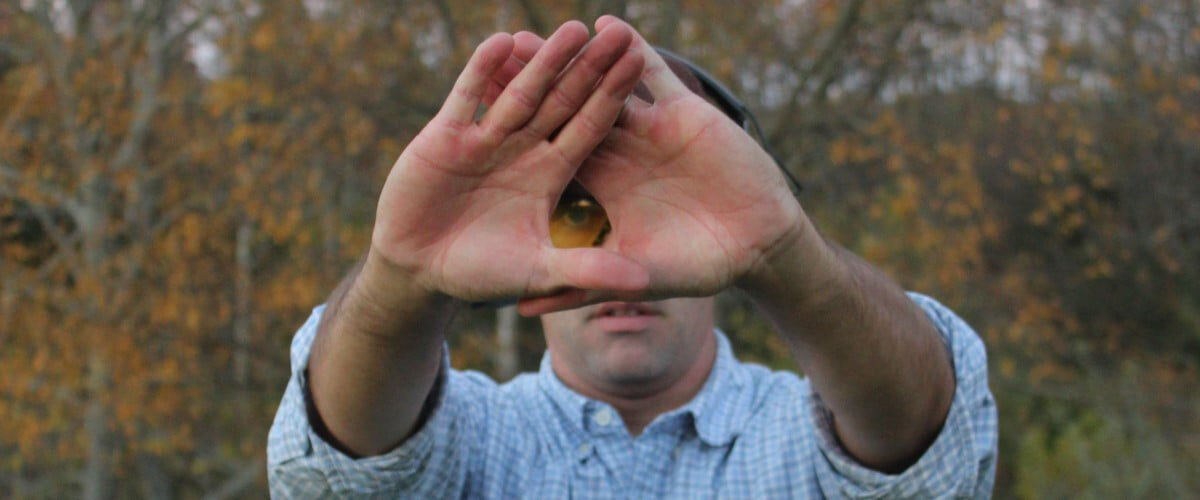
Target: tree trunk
x=241, y=300
x=506, y=342
x=96, y=472
x=8, y=298
x=156, y=485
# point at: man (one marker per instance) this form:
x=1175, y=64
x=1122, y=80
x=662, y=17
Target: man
x=638, y=395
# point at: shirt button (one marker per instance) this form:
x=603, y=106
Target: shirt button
x=603, y=417
x=585, y=449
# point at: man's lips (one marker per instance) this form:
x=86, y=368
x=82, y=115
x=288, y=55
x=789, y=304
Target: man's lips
x=623, y=316
x=623, y=309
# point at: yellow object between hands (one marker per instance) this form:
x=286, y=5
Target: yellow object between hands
x=578, y=222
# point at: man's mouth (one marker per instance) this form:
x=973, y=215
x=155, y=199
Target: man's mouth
x=622, y=309
x=624, y=316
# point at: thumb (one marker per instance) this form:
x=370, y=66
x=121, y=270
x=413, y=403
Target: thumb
x=569, y=298
x=592, y=268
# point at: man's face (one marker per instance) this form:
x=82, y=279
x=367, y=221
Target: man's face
x=629, y=347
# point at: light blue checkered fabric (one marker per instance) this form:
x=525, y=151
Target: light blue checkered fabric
x=749, y=433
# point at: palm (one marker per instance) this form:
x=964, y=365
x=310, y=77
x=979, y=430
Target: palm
x=692, y=198
x=465, y=209
x=458, y=225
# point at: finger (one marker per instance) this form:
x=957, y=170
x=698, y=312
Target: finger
x=473, y=82
x=579, y=80
x=594, y=121
x=571, y=298
x=521, y=98
x=502, y=77
x=561, y=301
x=634, y=115
x=588, y=268
x=525, y=46
x=659, y=78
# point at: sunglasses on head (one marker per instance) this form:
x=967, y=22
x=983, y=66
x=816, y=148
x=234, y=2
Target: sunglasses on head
x=579, y=221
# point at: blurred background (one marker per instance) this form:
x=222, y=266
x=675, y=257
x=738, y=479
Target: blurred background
x=182, y=181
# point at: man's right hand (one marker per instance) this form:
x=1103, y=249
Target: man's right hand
x=464, y=214
x=465, y=210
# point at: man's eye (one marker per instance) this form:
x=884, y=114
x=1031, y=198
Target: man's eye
x=577, y=223
x=579, y=213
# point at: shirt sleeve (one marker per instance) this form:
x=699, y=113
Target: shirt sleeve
x=961, y=462
x=432, y=463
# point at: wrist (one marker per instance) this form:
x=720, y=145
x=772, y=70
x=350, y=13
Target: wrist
x=802, y=265
x=383, y=293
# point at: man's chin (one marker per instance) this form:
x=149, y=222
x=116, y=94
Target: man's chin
x=633, y=370
x=633, y=383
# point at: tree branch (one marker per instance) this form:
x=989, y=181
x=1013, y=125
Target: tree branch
x=536, y=22
x=847, y=18
x=242, y=478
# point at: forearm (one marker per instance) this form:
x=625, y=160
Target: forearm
x=375, y=357
x=870, y=353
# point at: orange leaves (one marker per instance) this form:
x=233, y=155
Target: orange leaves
x=844, y=151
x=1168, y=106
x=264, y=37
x=1051, y=69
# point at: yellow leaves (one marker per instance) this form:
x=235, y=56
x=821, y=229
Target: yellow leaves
x=1003, y=115
x=995, y=31
x=1019, y=167
x=282, y=226
x=905, y=205
x=290, y=293
x=894, y=164
x=1101, y=268
x=190, y=232
x=1084, y=136
x=360, y=133
x=1147, y=80
x=1168, y=106
x=192, y=319
x=844, y=151
x=1072, y=194
x=839, y=151
x=263, y=37
x=1007, y=367
x=1059, y=163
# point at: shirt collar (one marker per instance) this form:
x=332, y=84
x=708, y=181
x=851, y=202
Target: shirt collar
x=717, y=412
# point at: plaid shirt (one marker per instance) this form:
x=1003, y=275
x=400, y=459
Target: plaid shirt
x=749, y=433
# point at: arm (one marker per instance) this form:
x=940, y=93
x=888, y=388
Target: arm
x=463, y=216
x=869, y=352
x=377, y=330
x=702, y=207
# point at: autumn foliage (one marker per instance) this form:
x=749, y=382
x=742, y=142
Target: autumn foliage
x=182, y=180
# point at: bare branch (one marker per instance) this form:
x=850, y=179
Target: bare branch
x=52, y=192
x=243, y=478
x=823, y=63
x=448, y=21
x=536, y=21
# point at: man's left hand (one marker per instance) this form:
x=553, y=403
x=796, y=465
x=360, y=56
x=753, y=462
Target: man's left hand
x=690, y=195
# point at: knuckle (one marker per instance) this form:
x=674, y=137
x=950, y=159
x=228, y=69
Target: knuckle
x=536, y=130
x=590, y=126
x=522, y=97
x=487, y=139
x=564, y=99
x=652, y=71
x=529, y=136
x=468, y=93
x=592, y=68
